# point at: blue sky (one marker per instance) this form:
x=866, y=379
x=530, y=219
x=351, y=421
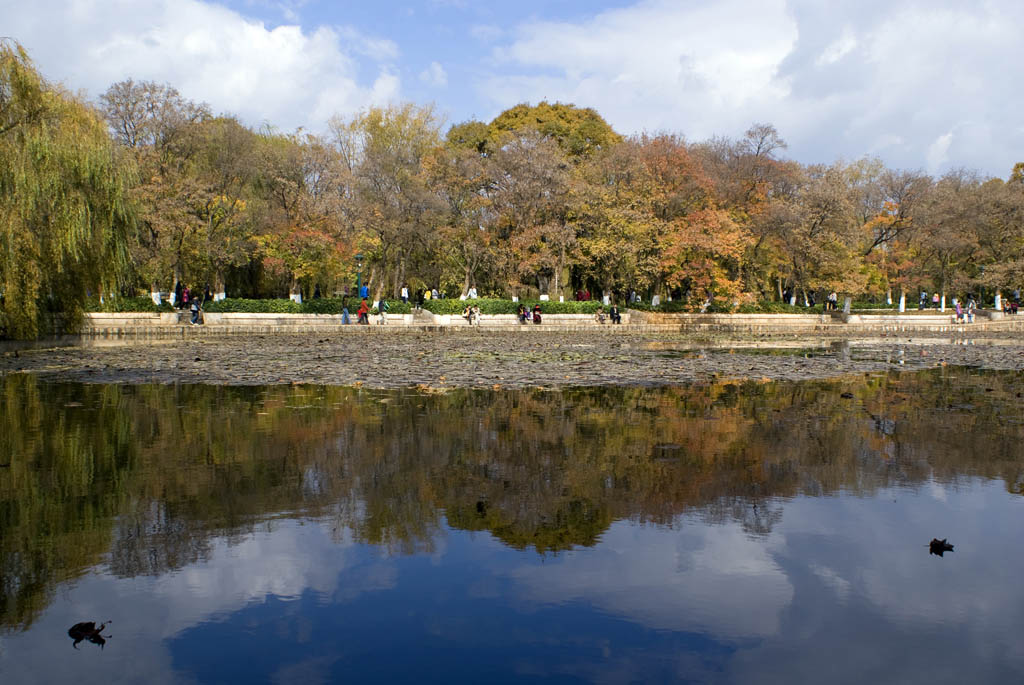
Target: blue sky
x=923, y=85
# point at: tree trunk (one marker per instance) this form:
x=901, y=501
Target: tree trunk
x=888, y=297
x=465, y=281
x=378, y=285
x=295, y=290
x=903, y=300
x=175, y=280
x=558, y=273
x=218, y=286
x=999, y=300
x=780, y=288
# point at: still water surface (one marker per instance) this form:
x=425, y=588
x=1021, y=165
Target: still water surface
x=769, y=533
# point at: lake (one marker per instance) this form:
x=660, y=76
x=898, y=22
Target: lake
x=762, y=532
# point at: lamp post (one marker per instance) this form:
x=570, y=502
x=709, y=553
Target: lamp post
x=359, y=271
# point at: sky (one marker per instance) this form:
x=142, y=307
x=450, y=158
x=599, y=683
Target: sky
x=930, y=84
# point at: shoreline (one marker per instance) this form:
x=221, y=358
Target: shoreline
x=491, y=359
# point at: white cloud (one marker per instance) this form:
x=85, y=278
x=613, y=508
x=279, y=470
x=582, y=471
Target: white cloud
x=434, y=75
x=284, y=75
x=837, y=79
x=663, y=579
x=842, y=46
x=486, y=33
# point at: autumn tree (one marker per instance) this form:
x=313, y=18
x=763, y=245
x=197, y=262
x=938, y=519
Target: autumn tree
x=65, y=216
x=578, y=131
x=460, y=177
x=818, y=233
x=999, y=228
x=395, y=210
x=949, y=234
x=158, y=128
x=529, y=195
x=306, y=233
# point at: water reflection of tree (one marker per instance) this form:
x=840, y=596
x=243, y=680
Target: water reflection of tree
x=142, y=478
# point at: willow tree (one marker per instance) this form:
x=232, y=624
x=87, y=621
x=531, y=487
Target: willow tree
x=64, y=217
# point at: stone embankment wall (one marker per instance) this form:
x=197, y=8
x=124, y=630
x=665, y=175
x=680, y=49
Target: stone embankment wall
x=175, y=325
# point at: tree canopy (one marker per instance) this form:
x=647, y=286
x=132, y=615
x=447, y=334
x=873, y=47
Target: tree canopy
x=149, y=189
x=66, y=220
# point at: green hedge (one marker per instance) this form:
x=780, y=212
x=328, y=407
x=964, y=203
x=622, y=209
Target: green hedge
x=779, y=308
x=490, y=306
x=126, y=304
x=323, y=305
x=674, y=307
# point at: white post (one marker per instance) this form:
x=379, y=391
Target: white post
x=903, y=302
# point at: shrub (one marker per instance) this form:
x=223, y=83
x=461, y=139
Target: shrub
x=492, y=306
x=277, y=306
x=126, y=304
x=768, y=307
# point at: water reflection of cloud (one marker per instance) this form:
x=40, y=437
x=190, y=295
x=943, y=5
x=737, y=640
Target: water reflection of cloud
x=699, y=578
x=288, y=561
x=870, y=602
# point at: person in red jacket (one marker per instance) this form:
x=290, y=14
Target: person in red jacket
x=364, y=313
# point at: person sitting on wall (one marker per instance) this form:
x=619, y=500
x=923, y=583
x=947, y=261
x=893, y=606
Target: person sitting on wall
x=536, y=313
x=467, y=314
x=521, y=313
x=363, y=313
x=613, y=313
x=599, y=316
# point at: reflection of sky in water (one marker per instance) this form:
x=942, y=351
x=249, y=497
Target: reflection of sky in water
x=841, y=590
